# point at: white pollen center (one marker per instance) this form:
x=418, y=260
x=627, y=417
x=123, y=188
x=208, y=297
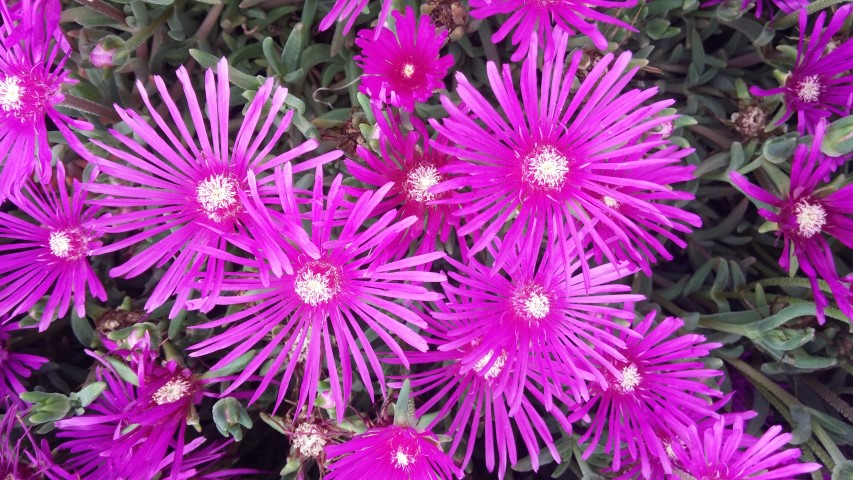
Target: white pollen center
x=402, y=459
x=60, y=244
x=610, y=202
x=496, y=367
x=307, y=440
x=216, y=194
x=313, y=287
x=630, y=378
x=810, y=218
x=537, y=305
x=546, y=168
x=420, y=180
x=408, y=70
x=11, y=92
x=808, y=90
x=172, y=391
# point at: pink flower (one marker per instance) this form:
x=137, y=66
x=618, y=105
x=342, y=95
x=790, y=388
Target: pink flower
x=318, y=315
x=394, y=452
x=820, y=85
x=348, y=10
x=48, y=253
x=195, y=194
x=32, y=57
x=806, y=214
x=541, y=18
x=403, y=68
x=24, y=459
x=14, y=366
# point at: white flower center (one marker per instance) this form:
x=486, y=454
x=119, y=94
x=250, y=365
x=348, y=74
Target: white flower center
x=67, y=244
x=60, y=244
x=531, y=302
x=11, y=92
x=317, y=283
x=408, y=70
x=496, y=367
x=630, y=378
x=808, y=90
x=419, y=181
x=610, y=202
x=308, y=441
x=402, y=459
x=810, y=218
x=217, y=196
x=546, y=168
x=172, y=391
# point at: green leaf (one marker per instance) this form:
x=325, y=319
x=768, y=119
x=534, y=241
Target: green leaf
x=90, y=393
x=403, y=408
x=82, y=329
x=843, y=470
x=838, y=140
x=124, y=372
x=292, y=54
x=230, y=416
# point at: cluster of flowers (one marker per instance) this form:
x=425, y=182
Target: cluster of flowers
x=554, y=197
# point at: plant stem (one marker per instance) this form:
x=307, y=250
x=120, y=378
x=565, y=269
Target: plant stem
x=143, y=35
x=792, y=18
x=89, y=106
x=104, y=9
x=830, y=397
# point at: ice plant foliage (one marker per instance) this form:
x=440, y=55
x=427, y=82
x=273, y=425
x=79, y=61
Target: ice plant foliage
x=769, y=6
x=659, y=387
x=557, y=163
x=14, y=366
x=411, y=162
x=33, y=53
x=394, y=452
x=541, y=18
x=820, y=85
x=196, y=192
x=48, y=251
x=807, y=215
x=325, y=304
x=403, y=66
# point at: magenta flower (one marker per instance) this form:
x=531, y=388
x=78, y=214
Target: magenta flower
x=136, y=427
x=722, y=454
x=659, y=388
x=557, y=163
x=348, y=10
x=553, y=331
x=468, y=393
x=540, y=19
x=196, y=194
x=394, y=452
x=14, y=366
x=805, y=213
x=820, y=84
x=32, y=57
x=328, y=300
x=405, y=67
x=411, y=162
x=48, y=254
x=24, y=459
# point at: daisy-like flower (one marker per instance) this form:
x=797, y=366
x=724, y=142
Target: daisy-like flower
x=560, y=161
x=403, y=66
x=410, y=161
x=195, y=194
x=329, y=302
x=21, y=458
x=540, y=18
x=348, y=10
x=468, y=393
x=659, y=388
x=136, y=427
x=549, y=328
x=48, y=253
x=14, y=366
x=32, y=57
x=805, y=216
x=720, y=453
x=820, y=85
x=394, y=452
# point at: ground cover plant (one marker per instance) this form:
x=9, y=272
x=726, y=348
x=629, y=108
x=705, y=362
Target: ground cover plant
x=354, y=239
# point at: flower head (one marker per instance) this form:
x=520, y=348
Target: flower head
x=403, y=67
x=48, y=253
x=14, y=366
x=557, y=163
x=806, y=215
x=32, y=57
x=539, y=19
x=659, y=387
x=394, y=452
x=719, y=453
x=820, y=85
x=412, y=163
x=326, y=301
x=21, y=458
x=197, y=193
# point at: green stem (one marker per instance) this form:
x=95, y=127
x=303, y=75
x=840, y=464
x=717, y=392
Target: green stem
x=831, y=447
x=104, y=9
x=792, y=18
x=143, y=35
x=88, y=106
x=830, y=397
